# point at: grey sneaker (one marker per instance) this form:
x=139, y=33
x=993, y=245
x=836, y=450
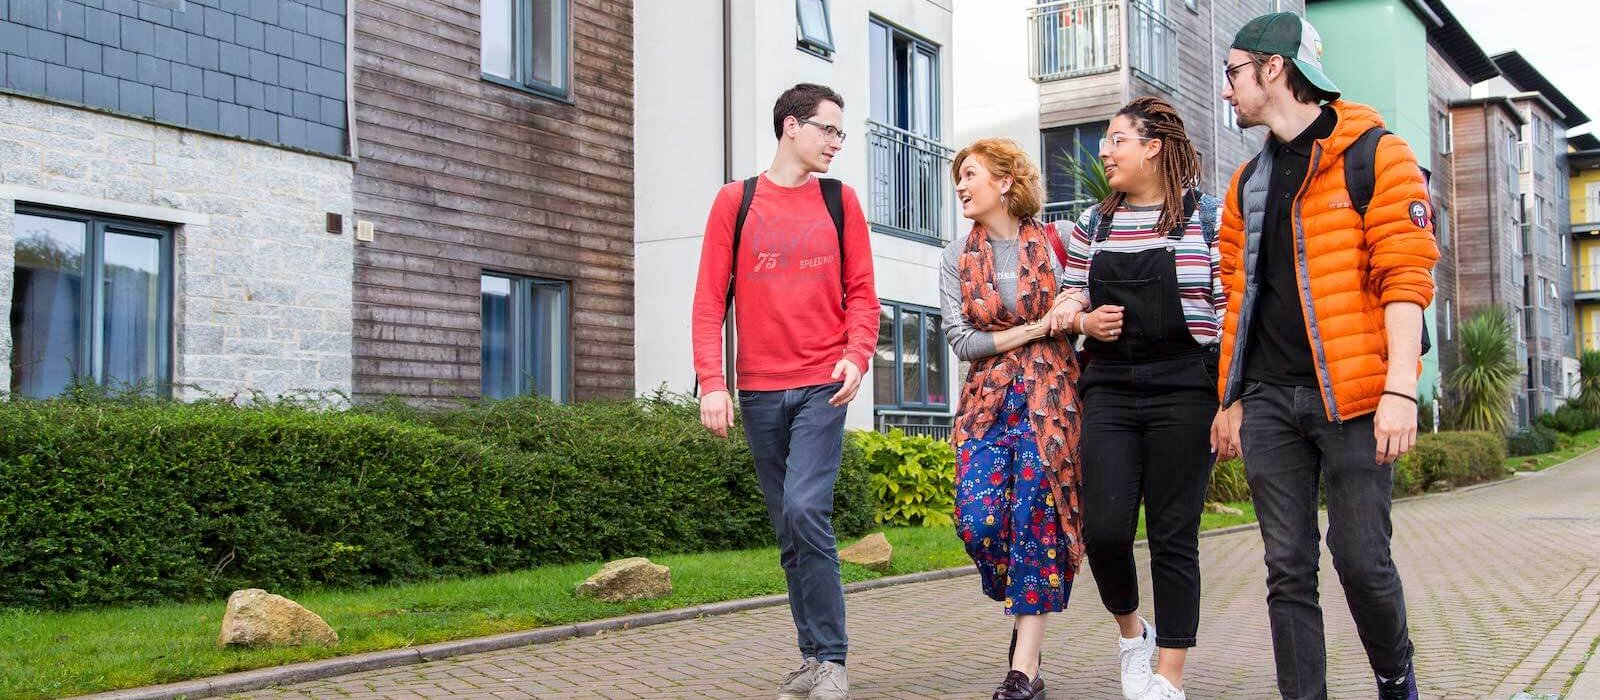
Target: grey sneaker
x=831, y=683
x=798, y=683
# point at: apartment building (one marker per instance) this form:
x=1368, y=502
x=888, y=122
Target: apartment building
x=1583, y=196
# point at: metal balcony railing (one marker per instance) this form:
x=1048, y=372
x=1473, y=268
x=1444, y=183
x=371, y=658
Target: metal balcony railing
x=1588, y=278
x=1073, y=38
x=910, y=178
x=1066, y=211
x=934, y=425
x=1152, y=45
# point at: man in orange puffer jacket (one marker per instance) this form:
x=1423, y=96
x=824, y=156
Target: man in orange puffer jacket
x=1321, y=346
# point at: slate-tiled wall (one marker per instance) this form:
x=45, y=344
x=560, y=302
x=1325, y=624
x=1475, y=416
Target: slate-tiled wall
x=271, y=70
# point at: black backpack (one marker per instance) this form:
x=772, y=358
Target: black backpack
x=1360, y=178
x=832, y=197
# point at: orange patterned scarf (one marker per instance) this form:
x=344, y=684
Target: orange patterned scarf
x=1048, y=366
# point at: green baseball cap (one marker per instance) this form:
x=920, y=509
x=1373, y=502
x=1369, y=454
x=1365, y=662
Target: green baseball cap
x=1288, y=35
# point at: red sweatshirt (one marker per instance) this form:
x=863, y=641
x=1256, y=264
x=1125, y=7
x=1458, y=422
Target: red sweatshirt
x=791, y=329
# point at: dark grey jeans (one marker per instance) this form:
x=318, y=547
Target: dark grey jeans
x=1288, y=444
x=797, y=440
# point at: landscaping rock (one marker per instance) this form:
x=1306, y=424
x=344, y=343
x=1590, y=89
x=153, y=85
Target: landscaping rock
x=1223, y=509
x=1440, y=486
x=873, y=552
x=256, y=618
x=628, y=579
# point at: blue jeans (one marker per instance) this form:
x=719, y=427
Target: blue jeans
x=797, y=440
x=1288, y=444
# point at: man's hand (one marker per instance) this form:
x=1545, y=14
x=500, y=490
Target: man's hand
x=851, y=375
x=716, y=413
x=1395, y=427
x=1223, y=439
x=1236, y=419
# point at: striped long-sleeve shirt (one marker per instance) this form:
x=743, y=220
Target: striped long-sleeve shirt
x=1133, y=231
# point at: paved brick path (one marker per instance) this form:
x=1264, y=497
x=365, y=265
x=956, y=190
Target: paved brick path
x=1503, y=584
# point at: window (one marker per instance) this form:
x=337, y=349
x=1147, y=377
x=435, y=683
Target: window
x=1548, y=293
x=1446, y=137
x=92, y=301
x=526, y=44
x=815, y=32
x=1512, y=166
x=1441, y=226
x=1449, y=322
x=1062, y=146
x=1230, y=116
x=910, y=368
x=524, y=337
x=908, y=166
x=1538, y=213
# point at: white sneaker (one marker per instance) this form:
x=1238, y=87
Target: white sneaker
x=1161, y=689
x=1136, y=654
x=832, y=683
x=798, y=683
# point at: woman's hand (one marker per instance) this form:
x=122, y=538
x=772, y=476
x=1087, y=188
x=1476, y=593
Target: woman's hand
x=1104, y=323
x=1062, y=317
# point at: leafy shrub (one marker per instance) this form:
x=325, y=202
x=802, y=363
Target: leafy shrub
x=1531, y=441
x=913, y=477
x=139, y=502
x=1460, y=458
x=1570, y=419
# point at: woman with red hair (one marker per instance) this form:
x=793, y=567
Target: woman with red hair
x=1016, y=427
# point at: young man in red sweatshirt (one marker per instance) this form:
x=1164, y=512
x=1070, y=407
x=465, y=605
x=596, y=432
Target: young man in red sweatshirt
x=806, y=328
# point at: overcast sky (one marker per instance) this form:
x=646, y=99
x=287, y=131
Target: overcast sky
x=1556, y=36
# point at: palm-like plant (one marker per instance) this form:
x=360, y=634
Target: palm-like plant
x=1589, y=381
x=1087, y=171
x=1487, y=374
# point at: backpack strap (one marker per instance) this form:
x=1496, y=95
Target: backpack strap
x=1054, y=237
x=738, y=228
x=1361, y=178
x=1191, y=201
x=833, y=198
x=1361, y=169
x=1100, y=224
x=1208, y=218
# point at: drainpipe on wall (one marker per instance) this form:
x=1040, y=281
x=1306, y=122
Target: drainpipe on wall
x=729, y=338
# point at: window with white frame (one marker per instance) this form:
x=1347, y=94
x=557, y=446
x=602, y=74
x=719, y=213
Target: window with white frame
x=525, y=337
x=1449, y=321
x=1446, y=126
x=527, y=44
x=91, y=301
x=813, y=28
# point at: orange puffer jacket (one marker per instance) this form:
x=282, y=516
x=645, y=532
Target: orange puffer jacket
x=1347, y=271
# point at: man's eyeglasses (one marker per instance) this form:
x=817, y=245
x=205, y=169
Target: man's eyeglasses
x=1227, y=71
x=1116, y=140
x=833, y=133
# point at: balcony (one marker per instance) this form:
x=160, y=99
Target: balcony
x=1073, y=38
x=910, y=180
x=1586, y=286
x=1153, y=45
x=1586, y=216
x=1067, y=211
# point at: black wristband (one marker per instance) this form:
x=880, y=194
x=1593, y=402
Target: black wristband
x=1412, y=399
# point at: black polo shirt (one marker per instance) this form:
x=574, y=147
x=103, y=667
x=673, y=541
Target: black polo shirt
x=1278, y=349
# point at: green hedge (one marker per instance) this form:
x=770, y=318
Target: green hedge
x=1460, y=458
x=137, y=503
x=1531, y=441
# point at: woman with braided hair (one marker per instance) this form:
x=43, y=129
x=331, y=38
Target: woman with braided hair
x=1143, y=285
x=1016, y=428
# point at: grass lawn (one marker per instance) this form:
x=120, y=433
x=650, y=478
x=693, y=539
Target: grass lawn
x=54, y=654
x=1581, y=443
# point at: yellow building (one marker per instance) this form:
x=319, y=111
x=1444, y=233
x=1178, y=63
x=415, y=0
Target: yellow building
x=1583, y=161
